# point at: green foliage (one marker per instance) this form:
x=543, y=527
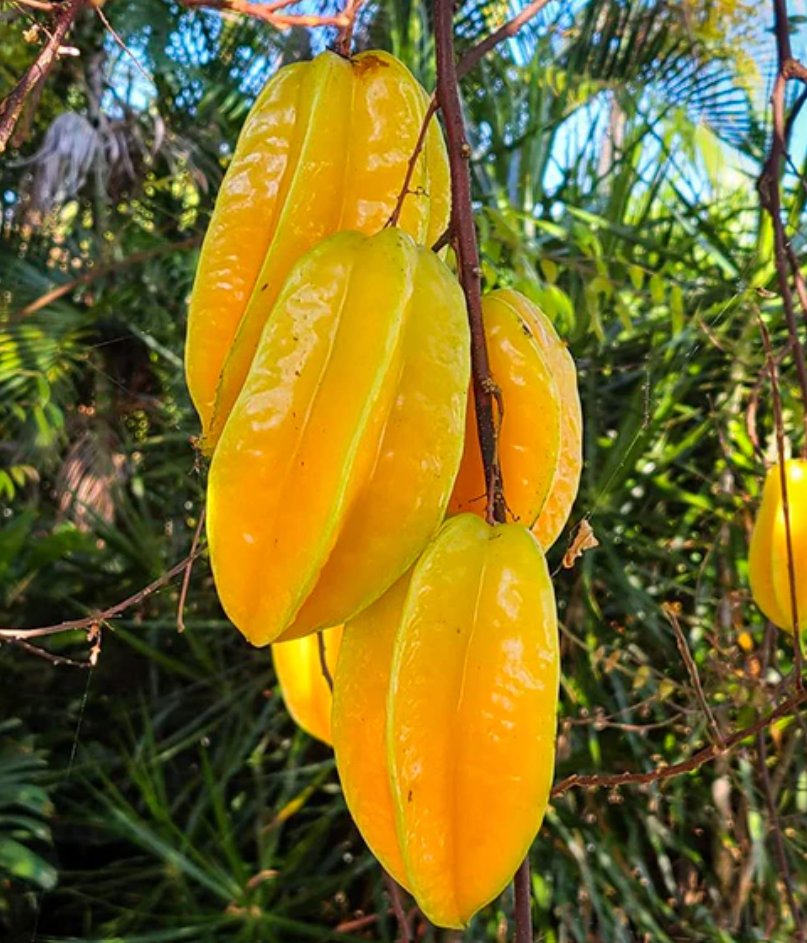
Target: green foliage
x=25, y=813
x=615, y=146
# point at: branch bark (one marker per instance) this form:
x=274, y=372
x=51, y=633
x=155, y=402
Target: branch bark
x=268, y=13
x=464, y=233
x=781, y=853
x=134, y=259
x=97, y=618
x=769, y=186
x=12, y=106
x=788, y=708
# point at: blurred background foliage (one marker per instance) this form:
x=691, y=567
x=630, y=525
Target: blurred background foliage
x=164, y=795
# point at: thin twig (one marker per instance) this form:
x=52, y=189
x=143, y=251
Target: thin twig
x=522, y=889
x=464, y=67
x=507, y=31
x=48, y=656
x=186, y=578
x=444, y=240
x=45, y=5
x=780, y=448
x=692, y=671
x=410, y=168
x=470, y=273
x=267, y=12
x=394, y=890
x=787, y=708
x=11, y=107
x=778, y=841
x=345, y=37
x=134, y=259
x=769, y=188
x=115, y=35
x=107, y=614
x=323, y=661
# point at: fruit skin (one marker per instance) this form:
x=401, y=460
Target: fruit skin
x=529, y=433
x=305, y=690
x=472, y=714
x=345, y=440
x=541, y=434
x=404, y=498
x=324, y=149
x=359, y=718
x=460, y=665
x=768, y=558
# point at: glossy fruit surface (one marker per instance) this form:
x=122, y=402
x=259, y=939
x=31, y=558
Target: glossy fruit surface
x=541, y=431
x=529, y=432
x=324, y=149
x=303, y=685
x=337, y=461
x=472, y=714
x=445, y=703
x=768, y=560
x=361, y=687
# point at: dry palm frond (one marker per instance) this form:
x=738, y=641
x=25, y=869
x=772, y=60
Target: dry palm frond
x=60, y=167
x=88, y=480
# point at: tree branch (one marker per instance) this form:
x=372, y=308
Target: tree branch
x=507, y=31
x=470, y=273
x=780, y=448
x=323, y=661
x=787, y=708
x=466, y=64
x=91, y=621
x=768, y=186
x=692, y=671
x=778, y=841
x=186, y=577
x=134, y=259
x=345, y=37
x=267, y=12
x=11, y=107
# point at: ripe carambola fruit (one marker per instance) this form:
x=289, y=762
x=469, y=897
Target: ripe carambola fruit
x=359, y=723
x=324, y=149
x=768, y=560
x=305, y=690
x=540, y=437
x=460, y=670
x=337, y=462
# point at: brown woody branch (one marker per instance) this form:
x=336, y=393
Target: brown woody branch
x=507, y=31
x=780, y=448
x=769, y=186
x=186, y=576
x=781, y=854
x=44, y=5
x=692, y=671
x=323, y=661
x=98, y=618
x=345, y=37
x=789, y=708
x=268, y=13
x=134, y=259
x=464, y=233
x=465, y=65
x=12, y=106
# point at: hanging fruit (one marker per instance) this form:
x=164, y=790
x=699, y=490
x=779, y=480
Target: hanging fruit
x=768, y=562
x=540, y=434
x=324, y=149
x=360, y=691
x=446, y=756
x=337, y=462
x=303, y=685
